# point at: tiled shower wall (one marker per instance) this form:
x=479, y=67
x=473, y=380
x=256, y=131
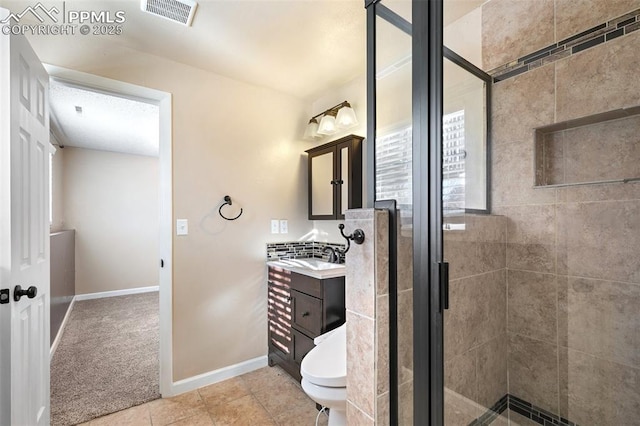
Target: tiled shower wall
x=572, y=265
x=475, y=339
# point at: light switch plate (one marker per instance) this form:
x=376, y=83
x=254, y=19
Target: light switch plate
x=182, y=227
x=275, y=226
x=284, y=226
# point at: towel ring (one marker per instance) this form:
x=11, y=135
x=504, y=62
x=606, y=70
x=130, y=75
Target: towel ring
x=227, y=201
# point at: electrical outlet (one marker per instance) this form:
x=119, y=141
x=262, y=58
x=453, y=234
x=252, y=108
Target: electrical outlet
x=275, y=226
x=284, y=226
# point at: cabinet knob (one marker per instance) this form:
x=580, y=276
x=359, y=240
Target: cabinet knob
x=289, y=298
x=305, y=314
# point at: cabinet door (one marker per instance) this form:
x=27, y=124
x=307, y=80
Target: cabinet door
x=321, y=184
x=348, y=177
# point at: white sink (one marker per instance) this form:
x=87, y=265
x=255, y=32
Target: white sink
x=315, y=264
x=312, y=267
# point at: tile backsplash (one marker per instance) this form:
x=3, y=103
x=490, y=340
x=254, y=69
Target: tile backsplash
x=301, y=250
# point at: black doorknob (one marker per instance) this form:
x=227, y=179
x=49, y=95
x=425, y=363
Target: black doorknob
x=18, y=292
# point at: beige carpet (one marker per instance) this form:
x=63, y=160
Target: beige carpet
x=107, y=359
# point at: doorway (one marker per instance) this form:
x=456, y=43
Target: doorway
x=162, y=101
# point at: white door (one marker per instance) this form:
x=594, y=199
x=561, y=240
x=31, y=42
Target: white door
x=24, y=234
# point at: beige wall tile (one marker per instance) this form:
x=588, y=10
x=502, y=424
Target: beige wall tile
x=361, y=389
x=356, y=417
x=405, y=261
x=610, y=192
x=599, y=240
x=533, y=371
x=477, y=249
x=531, y=237
x=479, y=228
x=459, y=410
x=492, y=371
x=360, y=291
x=405, y=403
x=383, y=410
x=598, y=392
x=532, y=302
x=575, y=16
x=515, y=28
x=522, y=103
x=382, y=251
x=533, y=257
x=405, y=336
x=515, y=419
x=460, y=375
x=382, y=346
x=603, y=151
x=600, y=318
x=513, y=176
x=553, y=159
x=473, y=258
x=599, y=79
x=477, y=312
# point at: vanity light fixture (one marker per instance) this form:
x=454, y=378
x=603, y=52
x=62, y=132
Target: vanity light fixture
x=338, y=117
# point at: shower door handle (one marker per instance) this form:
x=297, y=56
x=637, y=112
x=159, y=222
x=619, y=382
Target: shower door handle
x=444, y=285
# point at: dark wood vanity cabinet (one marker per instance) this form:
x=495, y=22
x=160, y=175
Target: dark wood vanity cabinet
x=335, y=178
x=300, y=308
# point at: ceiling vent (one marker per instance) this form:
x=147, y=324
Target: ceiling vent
x=180, y=11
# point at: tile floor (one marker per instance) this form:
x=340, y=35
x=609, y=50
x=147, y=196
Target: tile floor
x=265, y=397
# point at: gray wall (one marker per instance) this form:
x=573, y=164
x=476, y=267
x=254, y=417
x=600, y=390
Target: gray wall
x=63, y=281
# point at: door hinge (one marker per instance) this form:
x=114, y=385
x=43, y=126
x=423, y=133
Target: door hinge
x=4, y=296
x=444, y=285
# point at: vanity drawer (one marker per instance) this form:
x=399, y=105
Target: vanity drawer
x=305, y=284
x=301, y=345
x=307, y=313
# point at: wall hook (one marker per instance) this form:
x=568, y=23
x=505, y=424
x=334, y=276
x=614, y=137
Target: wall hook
x=357, y=236
x=227, y=201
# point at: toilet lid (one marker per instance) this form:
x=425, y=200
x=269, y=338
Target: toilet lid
x=326, y=364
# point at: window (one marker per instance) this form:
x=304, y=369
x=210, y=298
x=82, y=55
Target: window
x=394, y=162
x=453, y=163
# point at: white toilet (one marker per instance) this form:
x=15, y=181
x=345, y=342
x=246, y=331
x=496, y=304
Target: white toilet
x=324, y=374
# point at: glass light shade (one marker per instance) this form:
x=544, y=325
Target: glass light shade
x=311, y=132
x=328, y=124
x=346, y=117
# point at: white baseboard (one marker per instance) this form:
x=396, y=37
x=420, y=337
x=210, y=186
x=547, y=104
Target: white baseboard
x=115, y=293
x=56, y=341
x=195, y=382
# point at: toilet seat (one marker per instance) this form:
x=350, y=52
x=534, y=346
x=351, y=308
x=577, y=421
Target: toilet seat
x=326, y=364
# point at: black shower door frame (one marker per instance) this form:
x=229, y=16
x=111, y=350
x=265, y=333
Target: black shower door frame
x=430, y=277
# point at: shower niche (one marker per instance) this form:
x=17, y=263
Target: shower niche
x=596, y=149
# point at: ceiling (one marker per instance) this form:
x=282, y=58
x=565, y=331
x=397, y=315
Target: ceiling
x=105, y=122
x=304, y=48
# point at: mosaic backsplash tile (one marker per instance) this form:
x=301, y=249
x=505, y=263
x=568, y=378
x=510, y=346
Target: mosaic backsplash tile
x=301, y=250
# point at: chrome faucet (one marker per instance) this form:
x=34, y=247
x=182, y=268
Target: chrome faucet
x=333, y=256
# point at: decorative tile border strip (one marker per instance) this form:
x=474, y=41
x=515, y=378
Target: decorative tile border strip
x=602, y=33
x=522, y=407
x=301, y=250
